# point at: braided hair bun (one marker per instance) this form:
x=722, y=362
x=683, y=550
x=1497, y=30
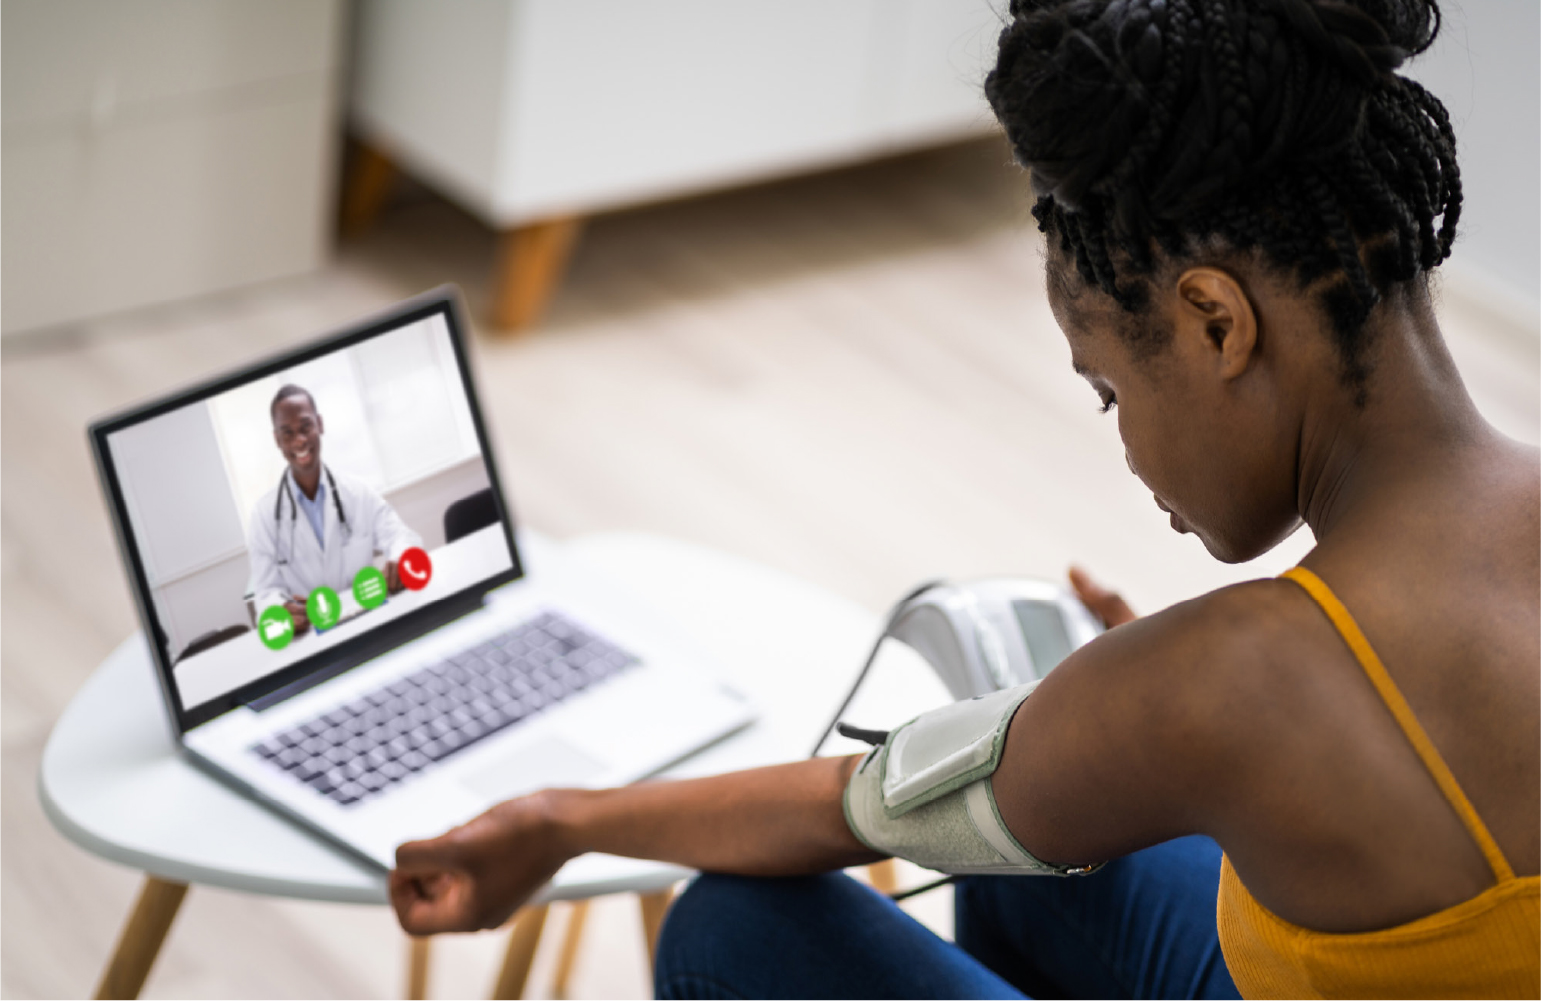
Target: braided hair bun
x=1279, y=125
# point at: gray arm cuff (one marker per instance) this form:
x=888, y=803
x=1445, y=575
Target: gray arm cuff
x=932, y=803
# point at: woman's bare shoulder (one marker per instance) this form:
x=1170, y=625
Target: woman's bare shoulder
x=1219, y=645
x=1168, y=716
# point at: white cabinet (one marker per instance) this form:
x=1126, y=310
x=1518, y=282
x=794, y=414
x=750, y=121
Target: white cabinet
x=161, y=149
x=529, y=109
x=531, y=113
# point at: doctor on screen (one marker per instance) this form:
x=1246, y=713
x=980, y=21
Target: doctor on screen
x=317, y=525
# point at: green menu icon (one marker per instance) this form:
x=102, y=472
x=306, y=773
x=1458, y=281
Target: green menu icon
x=369, y=588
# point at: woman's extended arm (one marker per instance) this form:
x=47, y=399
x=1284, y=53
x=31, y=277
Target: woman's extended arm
x=781, y=820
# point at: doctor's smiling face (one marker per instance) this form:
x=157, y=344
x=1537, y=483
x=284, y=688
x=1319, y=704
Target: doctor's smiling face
x=297, y=430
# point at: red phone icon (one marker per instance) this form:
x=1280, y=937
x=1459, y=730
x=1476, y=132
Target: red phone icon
x=415, y=569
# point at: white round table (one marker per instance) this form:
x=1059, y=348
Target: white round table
x=114, y=782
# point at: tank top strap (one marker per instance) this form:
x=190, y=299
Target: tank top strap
x=1403, y=713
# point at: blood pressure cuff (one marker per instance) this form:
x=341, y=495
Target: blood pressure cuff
x=925, y=794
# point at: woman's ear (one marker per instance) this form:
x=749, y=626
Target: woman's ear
x=1214, y=311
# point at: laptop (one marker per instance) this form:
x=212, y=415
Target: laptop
x=324, y=562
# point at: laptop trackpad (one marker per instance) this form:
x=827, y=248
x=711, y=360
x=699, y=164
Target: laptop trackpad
x=544, y=763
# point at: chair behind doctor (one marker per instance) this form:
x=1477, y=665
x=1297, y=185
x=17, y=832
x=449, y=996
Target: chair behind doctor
x=468, y=514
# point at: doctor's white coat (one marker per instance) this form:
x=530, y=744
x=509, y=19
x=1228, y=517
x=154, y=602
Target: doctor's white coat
x=286, y=559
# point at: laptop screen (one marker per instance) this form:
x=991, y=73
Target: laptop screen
x=305, y=514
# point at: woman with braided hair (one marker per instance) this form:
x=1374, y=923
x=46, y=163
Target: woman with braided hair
x=1325, y=785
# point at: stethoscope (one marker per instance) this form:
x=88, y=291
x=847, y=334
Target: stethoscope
x=294, y=510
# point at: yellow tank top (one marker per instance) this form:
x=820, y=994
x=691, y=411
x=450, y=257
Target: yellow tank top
x=1487, y=947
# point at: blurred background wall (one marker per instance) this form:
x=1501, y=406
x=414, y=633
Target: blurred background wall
x=160, y=149
x=1484, y=67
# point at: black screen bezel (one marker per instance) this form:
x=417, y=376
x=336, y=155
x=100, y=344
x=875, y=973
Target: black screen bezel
x=388, y=635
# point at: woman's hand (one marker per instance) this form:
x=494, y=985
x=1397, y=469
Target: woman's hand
x=1105, y=604
x=478, y=874
x=782, y=820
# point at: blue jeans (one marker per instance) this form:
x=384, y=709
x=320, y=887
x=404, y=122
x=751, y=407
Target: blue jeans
x=1142, y=926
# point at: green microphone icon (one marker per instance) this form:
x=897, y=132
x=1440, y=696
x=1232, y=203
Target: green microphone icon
x=323, y=607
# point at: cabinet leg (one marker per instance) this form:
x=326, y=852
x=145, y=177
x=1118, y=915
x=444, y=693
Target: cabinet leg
x=366, y=184
x=655, y=907
x=578, y=914
x=884, y=876
x=531, y=262
x=141, y=939
x=522, y=942
x=419, y=953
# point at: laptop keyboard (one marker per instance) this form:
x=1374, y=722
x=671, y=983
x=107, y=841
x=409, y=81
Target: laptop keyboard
x=362, y=748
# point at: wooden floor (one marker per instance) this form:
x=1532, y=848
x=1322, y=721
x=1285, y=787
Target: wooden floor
x=852, y=377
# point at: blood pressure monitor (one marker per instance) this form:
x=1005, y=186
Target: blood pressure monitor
x=985, y=635
x=979, y=637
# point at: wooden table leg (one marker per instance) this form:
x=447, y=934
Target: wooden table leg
x=578, y=914
x=531, y=262
x=365, y=187
x=419, y=952
x=140, y=941
x=655, y=907
x=522, y=942
x=884, y=876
